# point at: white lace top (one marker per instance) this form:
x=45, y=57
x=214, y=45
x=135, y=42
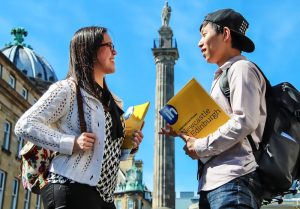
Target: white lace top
x=53, y=123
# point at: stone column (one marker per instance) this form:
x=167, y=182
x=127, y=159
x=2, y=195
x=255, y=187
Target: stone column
x=165, y=55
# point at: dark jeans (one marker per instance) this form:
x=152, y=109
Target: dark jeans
x=240, y=193
x=73, y=196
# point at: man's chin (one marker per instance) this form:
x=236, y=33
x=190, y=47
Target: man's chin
x=207, y=59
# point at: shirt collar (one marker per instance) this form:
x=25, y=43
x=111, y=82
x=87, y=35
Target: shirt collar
x=227, y=64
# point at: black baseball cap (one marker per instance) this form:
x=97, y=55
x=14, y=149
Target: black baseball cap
x=236, y=23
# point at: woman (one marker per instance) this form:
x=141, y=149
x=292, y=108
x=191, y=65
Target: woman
x=84, y=173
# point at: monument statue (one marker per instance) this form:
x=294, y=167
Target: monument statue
x=166, y=14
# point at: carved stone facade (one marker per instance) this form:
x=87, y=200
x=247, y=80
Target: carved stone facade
x=17, y=94
x=19, y=90
x=131, y=193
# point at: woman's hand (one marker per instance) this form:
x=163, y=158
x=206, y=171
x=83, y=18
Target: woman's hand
x=137, y=139
x=84, y=142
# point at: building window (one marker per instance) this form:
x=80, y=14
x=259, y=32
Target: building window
x=24, y=93
x=27, y=199
x=12, y=81
x=2, y=187
x=24, y=71
x=38, y=202
x=20, y=146
x=14, y=196
x=6, y=141
x=147, y=196
x=118, y=204
x=140, y=204
x=130, y=204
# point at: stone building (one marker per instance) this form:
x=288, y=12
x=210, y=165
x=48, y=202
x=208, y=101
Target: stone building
x=131, y=193
x=24, y=76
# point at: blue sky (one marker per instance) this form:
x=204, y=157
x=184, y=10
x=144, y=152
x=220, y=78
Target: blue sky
x=133, y=24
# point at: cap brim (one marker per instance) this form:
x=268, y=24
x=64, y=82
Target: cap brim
x=246, y=44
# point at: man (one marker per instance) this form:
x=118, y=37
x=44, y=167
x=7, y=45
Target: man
x=229, y=178
x=166, y=14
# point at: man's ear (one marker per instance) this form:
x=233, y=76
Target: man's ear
x=226, y=34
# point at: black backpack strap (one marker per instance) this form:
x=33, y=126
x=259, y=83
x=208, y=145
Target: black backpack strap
x=199, y=169
x=268, y=84
x=201, y=166
x=224, y=83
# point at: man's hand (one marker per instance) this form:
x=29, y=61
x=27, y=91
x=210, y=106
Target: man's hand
x=189, y=146
x=189, y=141
x=168, y=131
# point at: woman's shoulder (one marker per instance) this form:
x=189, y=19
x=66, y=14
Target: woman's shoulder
x=67, y=84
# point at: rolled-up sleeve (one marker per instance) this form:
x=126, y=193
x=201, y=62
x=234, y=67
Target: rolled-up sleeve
x=245, y=97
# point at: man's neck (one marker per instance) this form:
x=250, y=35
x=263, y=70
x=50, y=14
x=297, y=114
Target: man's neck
x=232, y=53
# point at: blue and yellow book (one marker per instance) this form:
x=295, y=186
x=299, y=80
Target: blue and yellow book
x=193, y=111
x=134, y=120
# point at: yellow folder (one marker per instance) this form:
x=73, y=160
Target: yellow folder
x=193, y=111
x=134, y=120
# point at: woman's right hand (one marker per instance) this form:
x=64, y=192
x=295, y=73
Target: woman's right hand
x=84, y=142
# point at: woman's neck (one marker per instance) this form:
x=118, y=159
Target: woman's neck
x=99, y=77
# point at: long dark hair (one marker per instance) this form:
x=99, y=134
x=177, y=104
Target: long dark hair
x=83, y=53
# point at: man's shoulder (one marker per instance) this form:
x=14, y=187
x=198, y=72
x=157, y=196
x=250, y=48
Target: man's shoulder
x=244, y=68
x=243, y=65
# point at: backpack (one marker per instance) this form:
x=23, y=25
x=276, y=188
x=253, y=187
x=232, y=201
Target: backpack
x=36, y=161
x=278, y=155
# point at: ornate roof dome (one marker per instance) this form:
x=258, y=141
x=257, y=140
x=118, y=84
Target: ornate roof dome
x=26, y=60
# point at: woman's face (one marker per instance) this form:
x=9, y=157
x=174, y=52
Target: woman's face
x=105, y=56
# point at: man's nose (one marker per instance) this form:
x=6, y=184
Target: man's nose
x=200, y=43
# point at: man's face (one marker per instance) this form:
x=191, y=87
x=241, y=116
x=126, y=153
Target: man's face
x=212, y=45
